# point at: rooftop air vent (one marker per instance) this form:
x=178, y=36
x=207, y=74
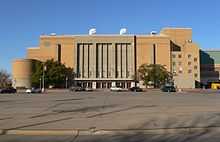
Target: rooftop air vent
x=53, y=34
x=153, y=32
x=92, y=31
x=123, y=31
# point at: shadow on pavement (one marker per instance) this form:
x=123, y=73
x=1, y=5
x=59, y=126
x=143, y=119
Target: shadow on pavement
x=78, y=110
x=120, y=110
x=194, y=132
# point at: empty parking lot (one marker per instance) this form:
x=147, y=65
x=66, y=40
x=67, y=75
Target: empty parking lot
x=109, y=110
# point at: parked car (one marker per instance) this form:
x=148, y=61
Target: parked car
x=116, y=89
x=168, y=88
x=77, y=88
x=33, y=90
x=136, y=89
x=8, y=90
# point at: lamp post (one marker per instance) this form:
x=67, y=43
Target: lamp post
x=66, y=82
x=43, y=84
x=40, y=82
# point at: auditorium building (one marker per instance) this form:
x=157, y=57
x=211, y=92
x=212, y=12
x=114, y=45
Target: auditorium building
x=104, y=60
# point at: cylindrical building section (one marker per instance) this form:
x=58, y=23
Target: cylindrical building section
x=21, y=73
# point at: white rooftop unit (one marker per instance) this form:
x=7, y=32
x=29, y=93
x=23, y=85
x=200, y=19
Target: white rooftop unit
x=123, y=31
x=153, y=32
x=53, y=34
x=92, y=31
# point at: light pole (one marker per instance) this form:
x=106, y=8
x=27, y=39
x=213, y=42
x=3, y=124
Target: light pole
x=66, y=82
x=44, y=69
x=40, y=82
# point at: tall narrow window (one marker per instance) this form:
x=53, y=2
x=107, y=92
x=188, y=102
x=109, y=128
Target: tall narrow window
x=83, y=61
x=78, y=62
x=97, y=61
x=59, y=53
x=88, y=60
x=116, y=61
x=154, y=53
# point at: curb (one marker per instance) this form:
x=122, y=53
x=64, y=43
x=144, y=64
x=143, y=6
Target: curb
x=39, y=132
x=109, y=132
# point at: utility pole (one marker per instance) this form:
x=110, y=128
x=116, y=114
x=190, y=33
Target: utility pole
x=44, y=69
x=40, y=82
x=154, y=64
x=66, y=82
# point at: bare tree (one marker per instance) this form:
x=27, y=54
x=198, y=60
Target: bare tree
x=5, y=78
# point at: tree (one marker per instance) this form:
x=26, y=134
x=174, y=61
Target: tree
x=154, y=73
x=37, y=72
x=5, y=79
x=56, y=73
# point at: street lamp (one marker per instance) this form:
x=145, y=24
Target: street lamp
x=44, y=69
x=66, y=82
x=40, y=82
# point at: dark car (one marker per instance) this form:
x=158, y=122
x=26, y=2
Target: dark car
x=36, y=90
x=168, y=88
x=136, y=89
x=33, y=90
x=77, y=88
x=8, y=90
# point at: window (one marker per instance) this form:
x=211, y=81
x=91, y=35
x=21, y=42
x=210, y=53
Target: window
x=59, y=52
x=189, y=55
x=179, y=56
x=174, y=56
x=175, y=47
x=180, y=63
x=195, y=75
x=180, y=71
x=195, y=67
x=189, y=63
x=189, y=71
x=195, y=59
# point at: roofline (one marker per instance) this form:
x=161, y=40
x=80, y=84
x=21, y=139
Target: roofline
x=33, y=47
x=210, y=50
x=22, y=59
x=176, y=28
x=103, y=35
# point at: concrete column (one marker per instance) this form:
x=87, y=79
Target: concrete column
x=112, y=60
x=119, y=60
x=93, y=61
x=104, y=60
x=100, y=59
x=109, y=60
x=132, y=84
x=94, y=85
x=113, y=83
x=124, y=61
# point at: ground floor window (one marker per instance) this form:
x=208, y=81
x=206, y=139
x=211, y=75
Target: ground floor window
x=104, y=84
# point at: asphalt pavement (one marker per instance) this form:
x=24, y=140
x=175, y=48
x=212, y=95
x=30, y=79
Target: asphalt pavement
x=91, y=115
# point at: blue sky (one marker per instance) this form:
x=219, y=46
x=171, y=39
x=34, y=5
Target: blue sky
x=23, y=21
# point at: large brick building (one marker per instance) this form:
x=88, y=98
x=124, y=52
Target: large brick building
x=101, y=61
